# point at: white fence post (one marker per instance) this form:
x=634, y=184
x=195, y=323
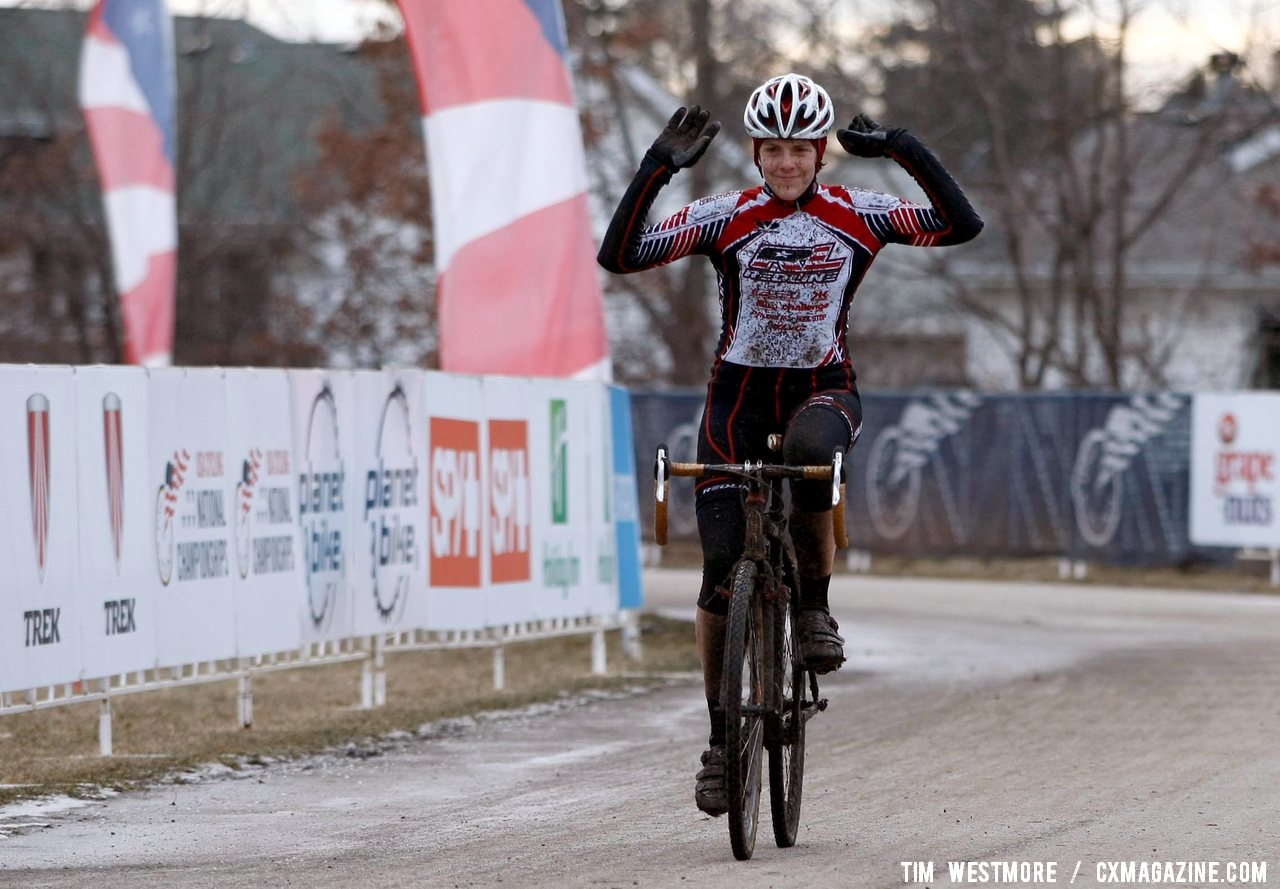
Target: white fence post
x=631, y=644
x=379, y=671
x=366, y=678
x=499, y=667
x=599, y=653
x=246, y=696
x=104, y=720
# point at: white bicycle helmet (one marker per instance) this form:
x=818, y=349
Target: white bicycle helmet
x=789, y=106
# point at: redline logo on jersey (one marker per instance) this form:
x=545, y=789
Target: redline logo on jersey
x=455, y=502
x=510, y=516
x=794, y=264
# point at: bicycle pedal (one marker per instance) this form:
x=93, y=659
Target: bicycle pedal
x=821, y=704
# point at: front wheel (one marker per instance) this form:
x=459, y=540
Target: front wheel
x=786, y=746
x=742, y=694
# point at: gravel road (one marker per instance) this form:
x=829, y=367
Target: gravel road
x=974, y=722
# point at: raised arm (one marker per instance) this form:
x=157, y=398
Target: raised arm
x=628, y=245
x=950, y=218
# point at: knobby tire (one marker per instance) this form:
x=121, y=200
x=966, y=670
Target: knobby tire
x=786, y=741
x=744, y=683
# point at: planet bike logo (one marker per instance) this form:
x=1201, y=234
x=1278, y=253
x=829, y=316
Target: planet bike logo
x=455, y=502
x=559, y=462
x=38, y=475
x=510, y=516
x=322, y=508
x=390, y=509
x=1238, y=476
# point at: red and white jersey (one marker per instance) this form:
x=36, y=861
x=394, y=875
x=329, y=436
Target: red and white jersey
x=787, y=270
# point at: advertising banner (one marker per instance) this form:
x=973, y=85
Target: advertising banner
x=456, y=508
x=626, y=514
x=561, y=498
x=508, y=500
x=41, y=610
x=388, y=566
x=1096, y=476
x=118, y=583
x=323, y=414
x=268, y=578
x=1235, y=469
x=602, y=573
x=192, y=488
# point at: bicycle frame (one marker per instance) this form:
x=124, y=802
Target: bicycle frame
x=764, y=683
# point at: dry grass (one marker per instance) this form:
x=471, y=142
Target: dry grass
x=306, y=710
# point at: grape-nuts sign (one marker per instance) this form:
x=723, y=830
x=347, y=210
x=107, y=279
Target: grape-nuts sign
x=1235, y=470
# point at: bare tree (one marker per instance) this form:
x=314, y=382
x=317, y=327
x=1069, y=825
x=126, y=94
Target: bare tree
x=1077, y=179
x=639, y=60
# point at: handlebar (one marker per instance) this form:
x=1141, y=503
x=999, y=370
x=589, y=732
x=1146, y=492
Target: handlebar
x=664, y=468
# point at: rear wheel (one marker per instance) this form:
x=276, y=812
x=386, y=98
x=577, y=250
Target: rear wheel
x=742, y=695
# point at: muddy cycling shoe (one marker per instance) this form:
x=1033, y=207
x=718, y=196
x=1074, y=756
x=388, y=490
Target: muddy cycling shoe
x=821, y=647
x=710, y=793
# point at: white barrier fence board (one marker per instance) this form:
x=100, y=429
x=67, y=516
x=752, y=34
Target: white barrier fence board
x=457, y=537
x=323, y=413
x=267, y=579
x=39, y=517
x=178, y=516
x=193, y=547
x=1235, y=469
x=388, y=570
x=117, y=547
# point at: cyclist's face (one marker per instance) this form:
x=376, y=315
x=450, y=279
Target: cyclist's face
x=788, y=165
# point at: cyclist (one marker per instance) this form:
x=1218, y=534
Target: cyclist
x=788, y=256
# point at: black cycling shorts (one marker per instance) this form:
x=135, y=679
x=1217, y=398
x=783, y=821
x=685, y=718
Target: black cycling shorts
x=815, y=409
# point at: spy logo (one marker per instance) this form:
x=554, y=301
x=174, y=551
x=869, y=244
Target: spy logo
x=38, y=474
x=559, y=462
x=510, y=522
x=455, y=502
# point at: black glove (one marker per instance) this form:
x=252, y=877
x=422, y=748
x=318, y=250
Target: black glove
x=866, y=138
x=685, y=138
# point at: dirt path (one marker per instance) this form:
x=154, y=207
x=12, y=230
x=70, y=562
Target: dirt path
x=975, y=722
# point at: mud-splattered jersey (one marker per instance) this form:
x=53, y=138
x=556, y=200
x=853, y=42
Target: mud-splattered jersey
x=787, y=271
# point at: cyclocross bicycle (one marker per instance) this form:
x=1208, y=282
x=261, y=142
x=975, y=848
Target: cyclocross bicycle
x=767, y=694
